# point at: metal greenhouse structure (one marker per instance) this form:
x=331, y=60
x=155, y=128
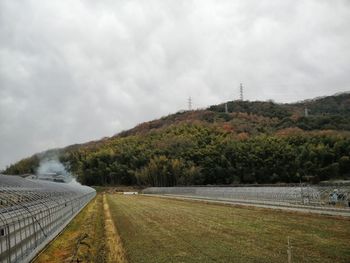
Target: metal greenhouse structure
x=318, y=196
x=33, y=212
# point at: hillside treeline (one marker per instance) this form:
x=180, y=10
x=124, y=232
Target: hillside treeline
x=255, y=142
x=197, y=154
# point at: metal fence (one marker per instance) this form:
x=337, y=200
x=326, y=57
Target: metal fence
x=33, y=212
x=303, y=195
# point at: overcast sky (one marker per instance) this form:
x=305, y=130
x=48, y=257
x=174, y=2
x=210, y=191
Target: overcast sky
x=73, y=71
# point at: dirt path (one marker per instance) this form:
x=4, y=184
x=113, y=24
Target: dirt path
x=115, y=251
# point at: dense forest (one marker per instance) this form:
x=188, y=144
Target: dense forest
x=253, y=142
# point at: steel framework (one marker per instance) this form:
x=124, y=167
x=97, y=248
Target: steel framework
x=33, y=212
x=303, y=195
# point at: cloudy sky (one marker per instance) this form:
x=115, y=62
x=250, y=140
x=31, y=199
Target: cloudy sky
x=73, y=71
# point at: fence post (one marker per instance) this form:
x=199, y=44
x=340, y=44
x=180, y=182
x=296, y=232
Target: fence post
x=289, y=251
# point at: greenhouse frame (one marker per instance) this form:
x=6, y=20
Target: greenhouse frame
x=33, y=212
x=304, y=195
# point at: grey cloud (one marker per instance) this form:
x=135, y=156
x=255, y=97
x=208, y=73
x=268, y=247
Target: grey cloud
x=73, y=71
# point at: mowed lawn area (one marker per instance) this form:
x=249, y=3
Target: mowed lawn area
x=155, y=229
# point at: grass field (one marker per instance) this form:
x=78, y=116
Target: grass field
x=162, y=230
x=154, y=229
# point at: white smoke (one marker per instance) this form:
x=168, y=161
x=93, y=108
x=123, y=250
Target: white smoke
x=53, y=168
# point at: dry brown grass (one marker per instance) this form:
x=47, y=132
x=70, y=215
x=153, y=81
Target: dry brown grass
x=90, y=237
x=115, y=251
x=87, y=227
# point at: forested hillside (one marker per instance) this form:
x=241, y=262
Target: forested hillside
x=255, y=142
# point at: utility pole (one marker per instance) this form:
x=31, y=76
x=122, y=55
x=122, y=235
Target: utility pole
x=241, y=91
x=189, y=103
x=226, y=108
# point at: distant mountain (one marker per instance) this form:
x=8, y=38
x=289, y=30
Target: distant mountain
x=233, y=142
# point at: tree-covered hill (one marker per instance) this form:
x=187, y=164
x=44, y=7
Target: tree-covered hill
x=254, y=142
x=326, y=113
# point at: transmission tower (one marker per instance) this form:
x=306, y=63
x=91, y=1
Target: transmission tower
x=189, y=103
x=241, y=91
x=306, y=112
